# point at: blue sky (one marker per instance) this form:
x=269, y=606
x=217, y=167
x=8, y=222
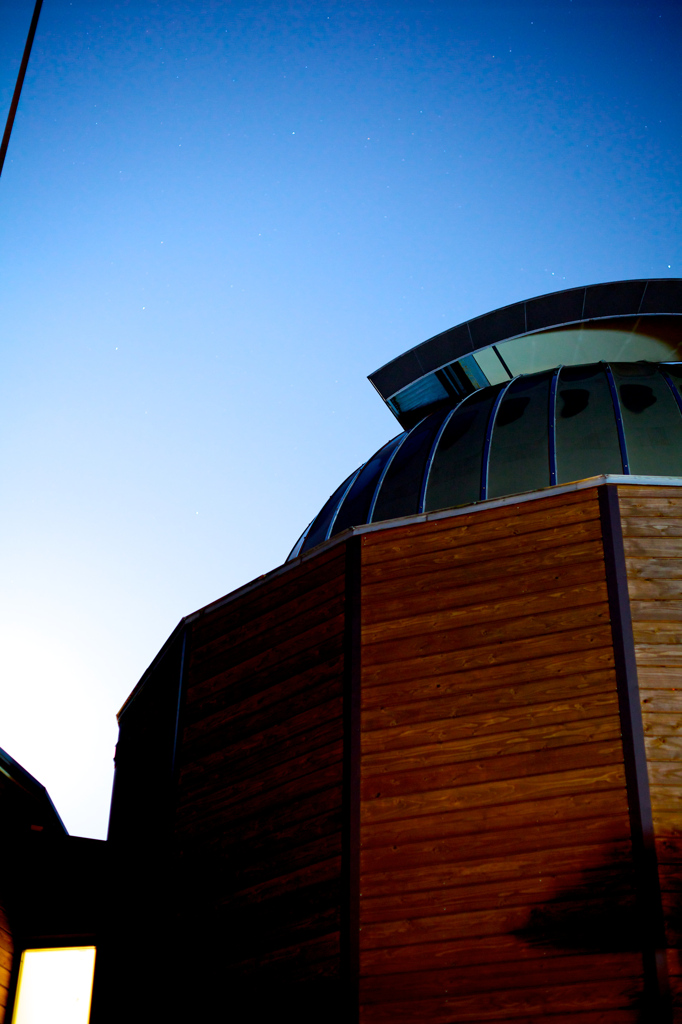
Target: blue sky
x=215, y=220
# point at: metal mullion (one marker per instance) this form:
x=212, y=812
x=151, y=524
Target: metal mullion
x=619, y=419
x=386, y=468
x=669, y=382
x=432, y=453
x=489, y=436
x=552, y=426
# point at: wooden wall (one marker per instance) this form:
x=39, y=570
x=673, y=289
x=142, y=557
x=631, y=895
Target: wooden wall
x=652, y=536
x=496, y=880
x=6, y=961
x=259, y=814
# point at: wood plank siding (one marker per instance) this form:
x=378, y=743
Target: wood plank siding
x=652, y=537
x=258, y=823
x=6, y=961
x=429, y=774
x=496, y=874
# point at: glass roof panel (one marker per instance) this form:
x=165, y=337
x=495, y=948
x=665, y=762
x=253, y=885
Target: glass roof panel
x=455, y=476
x=651, y=420
x=586, y=432
x=401, y=489
x=357, y=503
x=318, y=531
x=515, y=464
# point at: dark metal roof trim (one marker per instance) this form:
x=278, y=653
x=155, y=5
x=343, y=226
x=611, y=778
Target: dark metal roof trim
x=662, y=296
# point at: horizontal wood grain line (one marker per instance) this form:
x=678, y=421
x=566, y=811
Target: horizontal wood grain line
x=660, y=590
x=450, y=721
x=455, y=641
x=652, y=547
x=657, y=632
x=660, y=723
x=666, y=796
x=229, y=745
x=668, y=838
x=475, y=832
x=319, y=770
x=296, y=820
x=253, y=864
x=503, y=566
x=654, y=677
x=663, y=747
x=493, y=921
x=269, y=595
x=311, y=874
x=499, y=867
x=258, y=710
x=539, y=758
x=647, y=491
x=270, y=624
x=613, y=882
x=665, y=774
x=433, y=553
x=460, y=955
x=653, y=525
x=575, y=968
x=318, y=644
x=649, y=505
x=293, y=635
x=594, y=1002
x=225, y=691
x=199, y=783
x=603, y=770
x=216, y=764
x=578, y=670
x=481, y=525
x=489, y=655
x=660, y=654
x=656, y=611
x=411, y=623
x=460, y=751
x=654, y=568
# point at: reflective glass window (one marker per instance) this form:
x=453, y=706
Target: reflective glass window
x=519, y=452
x=356, y=505
x=586, y=431
x=318, y=531
x=455, y=477
x=401, y=489
x=651, y=420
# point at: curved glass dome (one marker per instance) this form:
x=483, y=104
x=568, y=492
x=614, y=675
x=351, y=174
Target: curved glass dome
x=559, y=388
x=537, y=429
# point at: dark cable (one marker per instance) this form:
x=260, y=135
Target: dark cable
x=20, y=81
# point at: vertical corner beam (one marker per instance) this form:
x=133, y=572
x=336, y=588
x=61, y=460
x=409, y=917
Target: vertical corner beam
x=652, y=922
x=350, y=840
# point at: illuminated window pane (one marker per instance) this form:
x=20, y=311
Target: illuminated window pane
x=55, y=986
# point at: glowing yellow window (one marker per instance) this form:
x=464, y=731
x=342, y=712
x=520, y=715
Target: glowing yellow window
x=55, y=986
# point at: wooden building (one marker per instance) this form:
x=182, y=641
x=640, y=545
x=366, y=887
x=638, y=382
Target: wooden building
x=50, y=882
x=429, y=769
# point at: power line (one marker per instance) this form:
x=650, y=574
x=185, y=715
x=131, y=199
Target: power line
x=20, y=81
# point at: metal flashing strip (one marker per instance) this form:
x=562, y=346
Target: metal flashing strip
x=350, y=834
x=650, y=906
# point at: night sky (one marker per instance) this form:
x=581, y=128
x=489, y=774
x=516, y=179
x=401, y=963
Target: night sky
x=215, y=220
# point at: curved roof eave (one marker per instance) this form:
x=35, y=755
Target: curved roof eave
x=651, y=297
